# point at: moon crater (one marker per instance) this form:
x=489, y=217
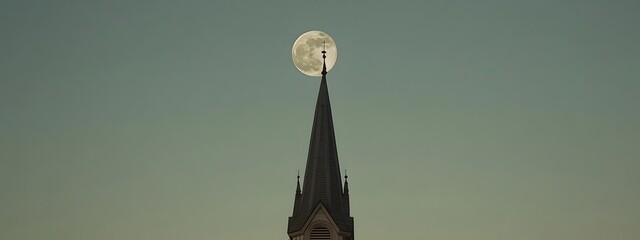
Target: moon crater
x=307, y=52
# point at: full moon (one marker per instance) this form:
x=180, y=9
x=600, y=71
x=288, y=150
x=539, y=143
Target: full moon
x=307, y=52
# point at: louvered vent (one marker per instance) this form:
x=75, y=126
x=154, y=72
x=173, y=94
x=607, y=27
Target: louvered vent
x=320, y=233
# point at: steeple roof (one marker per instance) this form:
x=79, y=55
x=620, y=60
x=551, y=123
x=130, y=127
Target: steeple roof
x=322, y=181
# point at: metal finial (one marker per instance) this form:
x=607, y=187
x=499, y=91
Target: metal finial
x=324, y=49
x=298, y=173
x=324, y=64
x=345, y=174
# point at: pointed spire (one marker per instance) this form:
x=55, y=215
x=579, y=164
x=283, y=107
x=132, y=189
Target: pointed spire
x=345, y=196
x=297, y=204
x=322, y=181
x=346, y=183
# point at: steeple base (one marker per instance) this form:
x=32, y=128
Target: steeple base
x=321, y=226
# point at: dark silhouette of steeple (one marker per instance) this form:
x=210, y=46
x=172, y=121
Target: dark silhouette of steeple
x=322, y=181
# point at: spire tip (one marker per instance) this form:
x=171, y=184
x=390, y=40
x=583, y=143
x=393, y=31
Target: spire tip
x=324, y=57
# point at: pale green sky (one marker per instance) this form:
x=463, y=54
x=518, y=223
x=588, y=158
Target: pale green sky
x=456, y=120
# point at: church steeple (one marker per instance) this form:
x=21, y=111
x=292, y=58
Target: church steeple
x=322, y=186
